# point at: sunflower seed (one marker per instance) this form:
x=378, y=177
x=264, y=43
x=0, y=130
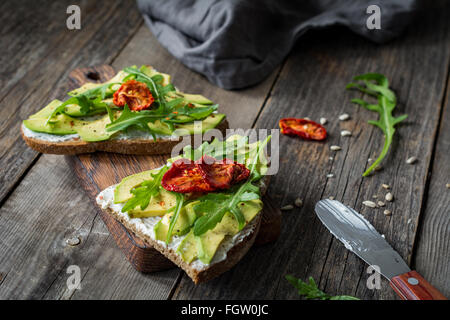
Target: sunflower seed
x=411, y=160
x=323, y=121
x=389, y=197
x=330, y=175
x=331, y=158
x=344, y=117
x=335, y=148
x=374, y=196
x=287, y=207
x=346, y=133
x=385, y=186
x=448, y=185
x=370, y=204
x=369, y=160
x=387, y=212
x=298, y=202
x=307, y=118
x=73, y=241
x=331, y=198
x=380, y=203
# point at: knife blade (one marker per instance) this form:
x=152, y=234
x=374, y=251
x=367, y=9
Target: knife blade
x=361, y=238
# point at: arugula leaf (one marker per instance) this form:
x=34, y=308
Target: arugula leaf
x=215, y=205
x=143, y=194
x=377, y=85
x=168, y=112
x=90, y=100
x=176, y=214
x=309, y=290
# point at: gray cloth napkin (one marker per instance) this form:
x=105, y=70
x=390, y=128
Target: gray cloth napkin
x=238, y=43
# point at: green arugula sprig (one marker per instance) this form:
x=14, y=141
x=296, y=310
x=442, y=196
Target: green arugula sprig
x=176, y=214
x=168, y=111
x=143, y=194
x=309, y=290
x=231, y=149
x=89, y=101
x=215, y=205
x=377, y=85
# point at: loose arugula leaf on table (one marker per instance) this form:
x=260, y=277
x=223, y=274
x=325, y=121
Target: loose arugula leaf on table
x=90, y=100
x=309, y=290
x=377, y=85
x=215, y=205
x=143, y=194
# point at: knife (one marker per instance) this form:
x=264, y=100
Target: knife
x=361, y=238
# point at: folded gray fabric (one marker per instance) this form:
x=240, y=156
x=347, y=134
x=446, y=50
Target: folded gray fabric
x=238, y=43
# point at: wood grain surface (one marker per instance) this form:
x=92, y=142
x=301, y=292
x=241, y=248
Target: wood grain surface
x=43, y=204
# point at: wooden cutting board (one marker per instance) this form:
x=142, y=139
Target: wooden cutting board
x=97, y=171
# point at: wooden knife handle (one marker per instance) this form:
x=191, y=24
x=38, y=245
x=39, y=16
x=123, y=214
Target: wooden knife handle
x=412, y=286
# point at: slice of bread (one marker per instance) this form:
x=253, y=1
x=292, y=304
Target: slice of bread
x=125, y=146
x=243, y=242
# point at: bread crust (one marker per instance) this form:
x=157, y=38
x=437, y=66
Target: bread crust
x=234, y=255
x=129, y=146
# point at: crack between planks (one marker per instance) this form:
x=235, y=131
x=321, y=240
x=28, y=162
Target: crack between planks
x=418, y=228
x=19, y=180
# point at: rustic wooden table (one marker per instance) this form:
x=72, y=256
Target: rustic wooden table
x=42, y=204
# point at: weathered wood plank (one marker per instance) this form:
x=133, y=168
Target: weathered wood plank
x=312, y=83
x=432, y=255
x=104, y=32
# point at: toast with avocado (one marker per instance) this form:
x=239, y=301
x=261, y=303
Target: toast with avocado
x=202, y=210
x=138, y=111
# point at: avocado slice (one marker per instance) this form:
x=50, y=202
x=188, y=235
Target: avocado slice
x=62, y=124
x=193, y=98
x=95, y=130
x=208, y=123
x=205, y=246
x=158, y=206
x=184, y=222
x=122, y=191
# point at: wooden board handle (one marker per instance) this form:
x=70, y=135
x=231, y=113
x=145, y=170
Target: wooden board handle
x=412, y=286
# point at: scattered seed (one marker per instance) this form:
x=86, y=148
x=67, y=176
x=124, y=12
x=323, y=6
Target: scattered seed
x=330, y=175
x=307, y=118
x=323, y=121
x=369, y=160
x=448, y=185
x=380, y=203
x=335, y=148
x=331, y=198
x=344, y=117
x=73, y=241
x=346, y=133
x=383, y=236
x=298, y=202
x=385, y=186
x=411, y=160
x=287, y=207
x=374, y=196
x=331, y=158
x=378, y=168
x=387, y=212
x=409, y=221
x=389, y=197
x=369, y=203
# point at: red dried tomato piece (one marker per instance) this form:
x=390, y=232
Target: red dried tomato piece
x=304, y=128
x=219, y=174
x=185, y=176
x=204, y=175
x=135, y=94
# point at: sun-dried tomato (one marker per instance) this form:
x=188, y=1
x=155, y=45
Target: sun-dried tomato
x=185, y=176
x=218, y=174
x=204, y=175
x=135, y=94
x=304, y=128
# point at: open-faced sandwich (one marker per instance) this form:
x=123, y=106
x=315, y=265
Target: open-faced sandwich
x=201, y=210
x=138, y=111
